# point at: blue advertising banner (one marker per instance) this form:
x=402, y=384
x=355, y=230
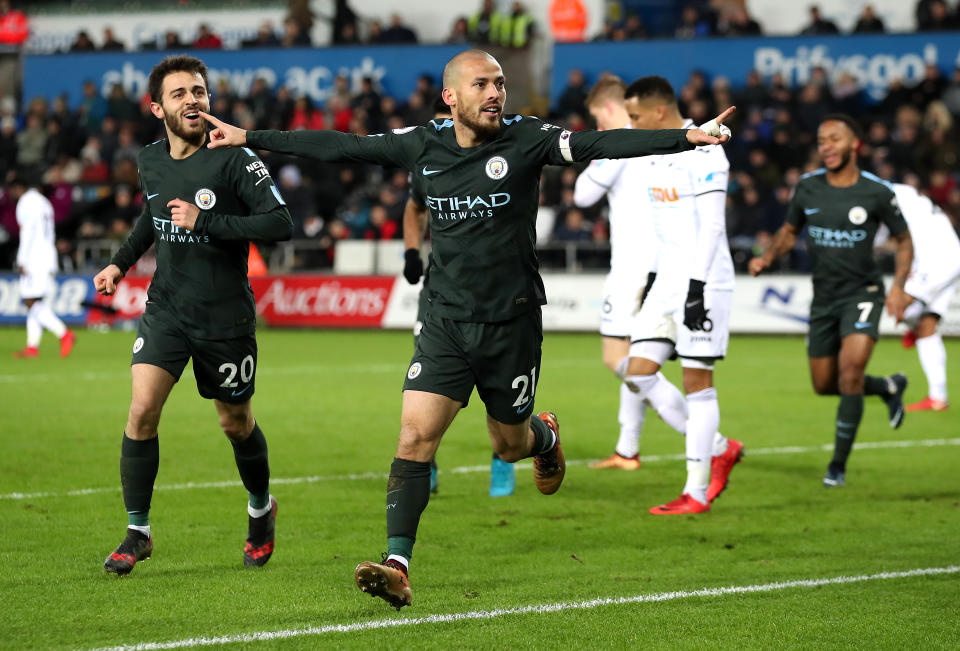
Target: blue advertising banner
x=874, y=61
x=70, y=299
x=305, y=71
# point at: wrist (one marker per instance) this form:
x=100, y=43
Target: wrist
x=696, y=286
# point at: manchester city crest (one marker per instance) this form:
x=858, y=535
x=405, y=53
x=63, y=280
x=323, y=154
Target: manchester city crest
x=497, y=168
x=205, y=199
x=857, y=215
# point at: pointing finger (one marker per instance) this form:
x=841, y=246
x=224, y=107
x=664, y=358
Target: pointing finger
x=212, y=120
x=723, y=116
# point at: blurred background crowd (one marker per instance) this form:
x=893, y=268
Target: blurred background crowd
x=84, y=154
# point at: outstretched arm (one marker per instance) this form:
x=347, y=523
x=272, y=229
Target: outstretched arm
x=783, y=241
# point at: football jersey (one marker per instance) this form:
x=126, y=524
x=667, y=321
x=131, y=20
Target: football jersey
x=201, y=277
x=631, y=229
x=935, y=243
x=842, y=224
x=672, y=184
x=482, y=200
x=37, y=251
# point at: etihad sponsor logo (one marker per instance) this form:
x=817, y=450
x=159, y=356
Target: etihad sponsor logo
x=176, y=235
x=468, y=206
x=663, y=195
x=837, y=239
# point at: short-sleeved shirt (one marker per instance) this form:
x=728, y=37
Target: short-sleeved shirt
x=842, y=223
x=201, y=275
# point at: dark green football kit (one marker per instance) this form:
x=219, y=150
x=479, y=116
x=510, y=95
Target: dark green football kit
x=842, y=222
x=483, y=291
x=200, y=303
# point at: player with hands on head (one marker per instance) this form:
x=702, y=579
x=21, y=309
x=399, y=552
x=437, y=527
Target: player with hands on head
x=842, y=208
x=199, y=304
x=482, y=327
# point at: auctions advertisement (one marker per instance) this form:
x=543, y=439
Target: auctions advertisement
x=774, y=304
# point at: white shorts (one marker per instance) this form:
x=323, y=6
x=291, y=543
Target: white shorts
x=36, y=285
x=661, y=319
x=621, y=300
x=926, y=288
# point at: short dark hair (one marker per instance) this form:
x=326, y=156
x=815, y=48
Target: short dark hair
x=653, y=86
x=439, y=106
x=851, y=123
x=173, y=63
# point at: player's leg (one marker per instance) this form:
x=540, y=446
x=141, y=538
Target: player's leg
x=861, y=316
x=643, y=371
x=34, y=331
x=438, y=384
x=855, y=351
x=933, y=361
x=47, y=318
x=417, y=327
x=632, y=411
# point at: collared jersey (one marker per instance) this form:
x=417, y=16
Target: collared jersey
x=201, y=276
x=37, y=251
x=842, y=223
x=672, y=184
x=482, y=200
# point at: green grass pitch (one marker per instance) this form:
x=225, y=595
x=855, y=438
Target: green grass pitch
x=329, y=405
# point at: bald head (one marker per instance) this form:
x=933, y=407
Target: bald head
x=452, y=71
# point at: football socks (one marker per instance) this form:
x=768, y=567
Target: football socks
x=933, y=359
x=633, y=411
x=702, y=425
x=665, y=399
x=253, y=464
x=849, y=413
x=543, y=437
x=408, y=491
x=139, y=461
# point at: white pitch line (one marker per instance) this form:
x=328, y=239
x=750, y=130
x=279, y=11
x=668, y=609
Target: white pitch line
x=263, y=636
x=750, y=452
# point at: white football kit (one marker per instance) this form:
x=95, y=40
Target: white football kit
x=687, y=194
x=631, y=237
x=37, y=253
x=936, y=254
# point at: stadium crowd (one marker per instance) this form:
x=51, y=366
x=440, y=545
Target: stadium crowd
x=85, y=154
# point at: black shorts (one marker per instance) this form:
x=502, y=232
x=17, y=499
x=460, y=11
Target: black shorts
x=832, y=320
x=225, y=369
x=501, y=359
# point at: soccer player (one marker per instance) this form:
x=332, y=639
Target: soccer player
x=842, y=208
x=931, y=283
x=37, y=266
x=201, y=208
x=631, y=257
x=502, y=474
x=480, y=174
x=687, y=311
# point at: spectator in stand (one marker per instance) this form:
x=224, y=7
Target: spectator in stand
x=574, y=96
x=459, y=32
x=171, y=41
x=692, y=24
x=348, y=35
x=740, y=24
x=818, y=24
x=265, y=37
x=517, y=29
x=374, y=32
x=483, y=27
x=119, y=106
x=110, y=42
x=344, y=24
x=574, y=227
x=8, y=144
x=14, y=32
x=207, y=39
x=868, y=22
x=381, y=227
x=127, y=147
x=368, y=101
x=339, y=113
x=951, y=95
x=82, y=43
x=299, y=198
x=935, y=17
x=633, y=28
x=398, y=33
x=293, y=34
x=305, y=115
x=31, y=144
x=930, y=88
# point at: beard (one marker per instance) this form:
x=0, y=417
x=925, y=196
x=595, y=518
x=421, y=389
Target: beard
x=176, y=126
x=481, y=128
x=844, y=160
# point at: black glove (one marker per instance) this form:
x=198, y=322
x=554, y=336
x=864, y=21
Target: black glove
x=694, y=310
x=412, y=266
x=652, y=276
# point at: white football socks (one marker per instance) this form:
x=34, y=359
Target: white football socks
x=259, y=513
x=400, y=559
x=701, y=432
x=145, y=529
x=44, y=317
x=633, y=412
x=665, y=399
x=933, y=359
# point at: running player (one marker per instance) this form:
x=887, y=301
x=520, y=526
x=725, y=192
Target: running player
x=932, y=281
x=480, y=176
x=502, y=474
x=199, y=304
x=37, y=265
x=842, y=208
x=687, y=310
x=631, y=257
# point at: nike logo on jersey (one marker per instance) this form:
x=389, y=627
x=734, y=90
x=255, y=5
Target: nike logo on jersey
x=810, y=211
x=151, y=196
x=427, y=172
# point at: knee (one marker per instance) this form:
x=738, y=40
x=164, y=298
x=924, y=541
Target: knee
x=825, y=387
x=236, y=427
x=414, y=440
x=509, y=452
x=142, y=421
